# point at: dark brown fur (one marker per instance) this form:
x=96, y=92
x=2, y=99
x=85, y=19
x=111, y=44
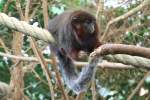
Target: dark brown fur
x=71, y=39
x=74, y=31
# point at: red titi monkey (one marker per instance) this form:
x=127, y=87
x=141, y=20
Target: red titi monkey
x=74, y=31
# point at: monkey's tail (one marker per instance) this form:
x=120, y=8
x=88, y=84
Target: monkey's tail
x=77, y=82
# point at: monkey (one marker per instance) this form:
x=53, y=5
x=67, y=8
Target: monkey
x=74, y=31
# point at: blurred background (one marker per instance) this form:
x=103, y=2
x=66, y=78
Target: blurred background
x=111, y=84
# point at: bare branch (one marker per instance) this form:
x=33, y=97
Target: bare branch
x=122, y=49
x=124, y=16
x=80, y=64
x=43, y=66
x=138, y=86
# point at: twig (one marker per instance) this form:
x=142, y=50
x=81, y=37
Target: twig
x=138, y=86
x=124, y=16
x=34, y=11
x=124, y=29
x=58, y=77
x=98, y=12
x=27, y=10
x=18, y=5
x=4, y=46
x=38, y=77
x=45, y=12
x=93, y=87
x=126, y=59
x=6, y=6
x=100, y=8
x=40, y=56
x=43, y=65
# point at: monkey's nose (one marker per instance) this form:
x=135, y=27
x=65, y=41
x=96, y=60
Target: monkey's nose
x=91, y=28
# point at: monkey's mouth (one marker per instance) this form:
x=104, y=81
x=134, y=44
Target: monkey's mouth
x=90, y=28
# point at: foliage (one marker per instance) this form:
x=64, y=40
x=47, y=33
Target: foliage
x=111, y=84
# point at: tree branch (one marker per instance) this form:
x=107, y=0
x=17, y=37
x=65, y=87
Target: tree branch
x=121, y=49
x=116, y=58
x=124, y=16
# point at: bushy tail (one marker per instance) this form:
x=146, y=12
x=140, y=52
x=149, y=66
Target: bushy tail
x=77, y=82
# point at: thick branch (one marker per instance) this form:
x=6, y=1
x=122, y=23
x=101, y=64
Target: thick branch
x=122, y=49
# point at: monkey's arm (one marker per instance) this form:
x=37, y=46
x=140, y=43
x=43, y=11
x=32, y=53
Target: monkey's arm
x=77, y=82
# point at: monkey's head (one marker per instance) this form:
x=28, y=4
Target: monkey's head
x=85, y=31
x=84, y=24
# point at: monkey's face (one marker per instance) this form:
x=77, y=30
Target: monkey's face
x=84, y=24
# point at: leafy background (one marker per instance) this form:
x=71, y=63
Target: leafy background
x=111, y=84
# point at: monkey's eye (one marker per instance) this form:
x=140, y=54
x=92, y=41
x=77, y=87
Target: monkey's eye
x=90, y=21
x=76, y=19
